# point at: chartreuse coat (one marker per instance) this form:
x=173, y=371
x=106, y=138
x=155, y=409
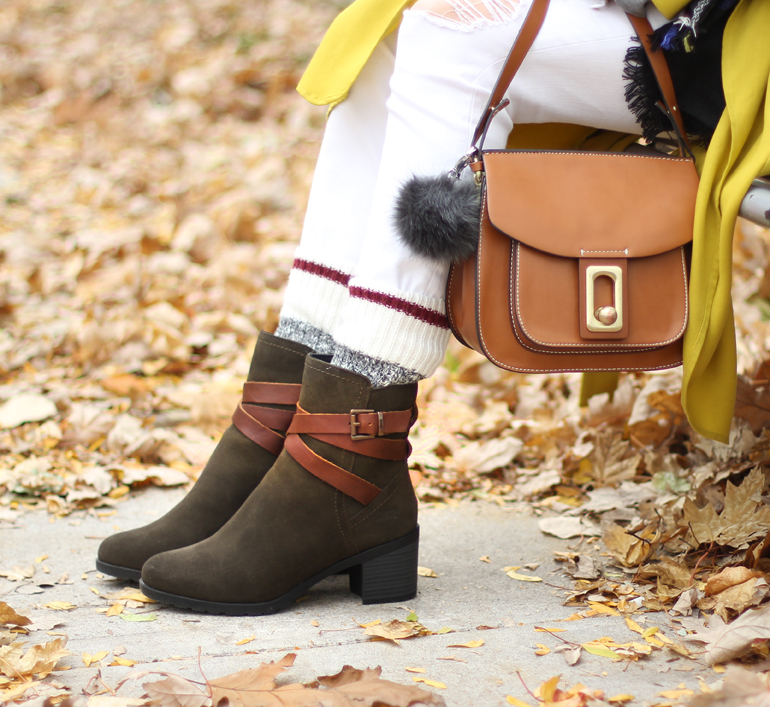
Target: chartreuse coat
x=738, y=152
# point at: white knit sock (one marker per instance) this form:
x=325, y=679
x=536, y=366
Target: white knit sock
x=406, y=332
x=314, y=298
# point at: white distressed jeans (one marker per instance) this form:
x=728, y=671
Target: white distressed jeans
x=413, y=110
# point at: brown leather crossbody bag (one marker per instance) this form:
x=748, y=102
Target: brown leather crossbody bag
x=582, y=262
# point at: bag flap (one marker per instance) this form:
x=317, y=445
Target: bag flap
x=591, y=204
x=545, y=302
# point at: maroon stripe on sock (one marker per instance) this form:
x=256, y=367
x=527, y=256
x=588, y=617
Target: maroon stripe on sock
x=308, y=266
x=422, y=314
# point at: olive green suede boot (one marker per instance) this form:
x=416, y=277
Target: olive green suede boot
x=247, y=450
x=338, y=499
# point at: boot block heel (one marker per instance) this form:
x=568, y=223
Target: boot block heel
x=392, y=576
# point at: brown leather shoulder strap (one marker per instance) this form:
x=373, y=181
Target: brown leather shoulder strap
x=521, y=45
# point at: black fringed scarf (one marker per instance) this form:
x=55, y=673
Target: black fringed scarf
x=692, y=44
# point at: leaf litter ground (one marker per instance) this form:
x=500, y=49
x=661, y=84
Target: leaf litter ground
x=155, y=166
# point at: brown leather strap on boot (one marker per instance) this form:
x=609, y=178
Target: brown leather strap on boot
x=360, y=431
x=263, y=425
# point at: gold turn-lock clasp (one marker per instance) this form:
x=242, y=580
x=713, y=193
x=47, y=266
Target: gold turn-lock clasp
x=606, y=319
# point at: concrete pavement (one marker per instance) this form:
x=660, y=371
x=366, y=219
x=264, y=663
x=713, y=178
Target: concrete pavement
x=467, y=594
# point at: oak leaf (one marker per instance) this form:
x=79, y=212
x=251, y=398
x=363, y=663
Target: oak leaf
x=744, y=518
x=612, y=460
x=630, y=550
x=40, y=659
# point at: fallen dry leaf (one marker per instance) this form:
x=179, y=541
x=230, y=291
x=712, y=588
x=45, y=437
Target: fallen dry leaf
x=752, y=403
x=676, y=694
x=724, y=642
x=8, y=617
x=396, y=630
x=728, y=577
x=743, y=519
x=89, y=659
x=257, y=687
x=571, y=653
x=516, y=702
x=737, y=598
x=477, y=643
x=601, y=650
x=175, y=691
x=513, y=574
x=568, y=527
x=431, y=683
x=123, y=661
x=630, y=550
x=238, y=687
x=40, y=659
x=613, y=460
x=16, y=574
x=26, y=408
x=739, y=688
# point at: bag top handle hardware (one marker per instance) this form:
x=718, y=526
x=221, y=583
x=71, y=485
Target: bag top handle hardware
x=523, y=43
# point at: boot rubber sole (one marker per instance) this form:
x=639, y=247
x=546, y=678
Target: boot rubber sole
x=382, y=574
x=118, y=571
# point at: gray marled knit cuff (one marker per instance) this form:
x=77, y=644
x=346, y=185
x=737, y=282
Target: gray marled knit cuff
x=379, y=372
x=633, y=7
x=303, y=333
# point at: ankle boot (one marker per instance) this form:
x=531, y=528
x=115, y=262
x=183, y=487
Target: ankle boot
x=247, y=450
x=338, y=499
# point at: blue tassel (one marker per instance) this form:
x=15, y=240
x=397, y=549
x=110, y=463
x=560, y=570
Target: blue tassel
x=667, y=42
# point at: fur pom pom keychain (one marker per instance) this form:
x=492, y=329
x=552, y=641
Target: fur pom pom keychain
x=438, y=217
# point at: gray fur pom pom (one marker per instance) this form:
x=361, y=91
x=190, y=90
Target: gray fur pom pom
x=438, y=217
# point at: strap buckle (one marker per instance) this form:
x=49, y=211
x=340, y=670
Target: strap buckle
x=355, y=424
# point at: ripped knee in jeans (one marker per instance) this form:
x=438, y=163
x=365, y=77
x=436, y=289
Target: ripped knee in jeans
x=470, y=14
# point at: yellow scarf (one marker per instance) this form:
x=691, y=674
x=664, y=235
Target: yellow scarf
x=347, y=46
x=739, y=152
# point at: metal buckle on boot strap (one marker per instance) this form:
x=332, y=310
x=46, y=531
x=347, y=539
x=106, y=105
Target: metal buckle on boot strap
x=355, y=424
